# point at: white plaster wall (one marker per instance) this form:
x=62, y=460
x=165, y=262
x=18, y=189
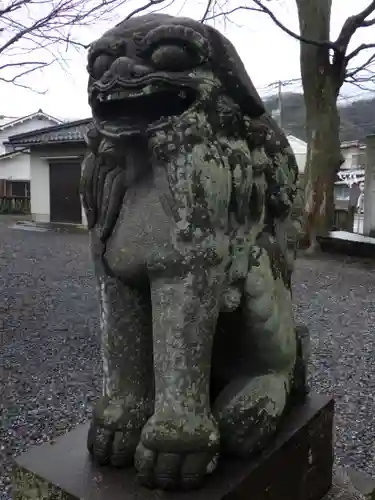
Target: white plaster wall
x=348, y=158
x=84, y=219
x=301, y=162
x=39, y=188
x=349, y=161
x=300, y=152
x=15, y=168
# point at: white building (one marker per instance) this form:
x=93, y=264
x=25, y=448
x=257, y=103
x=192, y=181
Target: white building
x=55, y=162
x=352, y=171
x=300, y=151
x=15, y=161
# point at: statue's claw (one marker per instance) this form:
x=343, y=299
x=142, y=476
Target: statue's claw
x=114, y=434
x=109, y=447
x=171, y=471
x=99, y=444
x=175, y=464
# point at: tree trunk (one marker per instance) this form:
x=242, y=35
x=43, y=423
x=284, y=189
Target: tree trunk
x=321, y=86
x=323, y=161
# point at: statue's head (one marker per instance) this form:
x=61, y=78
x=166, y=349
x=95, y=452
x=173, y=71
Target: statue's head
x=153, y=69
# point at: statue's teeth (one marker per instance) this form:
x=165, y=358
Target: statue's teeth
x=115, y=96
x=122, y=95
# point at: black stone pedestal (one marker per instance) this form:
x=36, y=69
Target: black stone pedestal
x=298, y=466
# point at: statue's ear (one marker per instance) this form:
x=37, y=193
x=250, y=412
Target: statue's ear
x=232, y=73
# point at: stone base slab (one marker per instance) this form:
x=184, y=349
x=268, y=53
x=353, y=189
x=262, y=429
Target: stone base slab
x=297, y=466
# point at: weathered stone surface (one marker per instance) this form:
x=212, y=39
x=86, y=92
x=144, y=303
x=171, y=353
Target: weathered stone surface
x=349, y=484
x=297, y=466
x=361, y=481
x=190, y=193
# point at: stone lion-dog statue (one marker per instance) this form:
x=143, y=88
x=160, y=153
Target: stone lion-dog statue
x=189, y=189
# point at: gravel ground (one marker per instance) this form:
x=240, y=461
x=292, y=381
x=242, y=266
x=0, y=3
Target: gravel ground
x=49, y=362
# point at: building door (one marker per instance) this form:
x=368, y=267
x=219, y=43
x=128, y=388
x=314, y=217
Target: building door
x=65, y=202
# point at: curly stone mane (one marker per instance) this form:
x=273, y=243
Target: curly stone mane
x=234, y=110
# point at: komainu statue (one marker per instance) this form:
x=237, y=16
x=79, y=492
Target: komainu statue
x=189, y=190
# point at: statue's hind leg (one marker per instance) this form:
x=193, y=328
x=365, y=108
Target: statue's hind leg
x=127, y=400
x=249, y=408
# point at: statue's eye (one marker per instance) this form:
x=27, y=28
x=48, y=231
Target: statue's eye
x=173, y=58
x=101, y=64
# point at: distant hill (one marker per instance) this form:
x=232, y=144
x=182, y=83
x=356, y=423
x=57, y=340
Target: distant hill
x=357, y=118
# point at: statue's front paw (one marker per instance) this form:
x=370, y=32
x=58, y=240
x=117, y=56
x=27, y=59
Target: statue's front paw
x=115, y=431
x=177, y=452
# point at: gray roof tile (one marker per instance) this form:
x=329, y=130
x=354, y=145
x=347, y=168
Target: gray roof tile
x=66, y=132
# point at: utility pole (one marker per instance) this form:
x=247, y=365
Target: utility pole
x=277, y=114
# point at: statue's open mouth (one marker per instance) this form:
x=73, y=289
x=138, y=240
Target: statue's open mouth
x=129, y=109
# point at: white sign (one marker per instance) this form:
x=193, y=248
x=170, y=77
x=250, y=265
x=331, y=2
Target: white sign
x=350, y=177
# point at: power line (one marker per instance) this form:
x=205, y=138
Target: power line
x=273, y=89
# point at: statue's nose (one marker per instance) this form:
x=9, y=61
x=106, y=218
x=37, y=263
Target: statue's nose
x=127, y=68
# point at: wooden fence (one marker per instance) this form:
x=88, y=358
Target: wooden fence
x=14, y=205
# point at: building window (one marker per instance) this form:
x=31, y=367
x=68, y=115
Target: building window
x=342, y=192
x=3, y=187
x=19, y=189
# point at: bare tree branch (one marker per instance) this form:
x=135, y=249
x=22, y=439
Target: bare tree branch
x=44, y=27
x=227, y=13
x=351, y=25
x=364, y=46
x=262, y=8
x=339, y=46
x=138, y=10
x=13, y=6
x=290, y=32
x=364, y=88
x=24, y=63
x=14, y=80
x=49, y=26
x=370, y=22
x=23, y=86
x=340, y=60
x=210, y=4
x=23, y=73
x=351, y=73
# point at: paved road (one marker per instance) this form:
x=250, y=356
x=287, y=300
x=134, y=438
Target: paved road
x=49, y=363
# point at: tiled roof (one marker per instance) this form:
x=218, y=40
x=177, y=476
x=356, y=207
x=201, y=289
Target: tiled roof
x=11, y=122
x=352, y=144
x=7, y=119
x=10, y=154
x=71, y=132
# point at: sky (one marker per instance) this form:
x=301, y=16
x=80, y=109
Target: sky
x=269, y=55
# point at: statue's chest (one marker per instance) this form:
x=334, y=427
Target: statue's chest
x=142, y=231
